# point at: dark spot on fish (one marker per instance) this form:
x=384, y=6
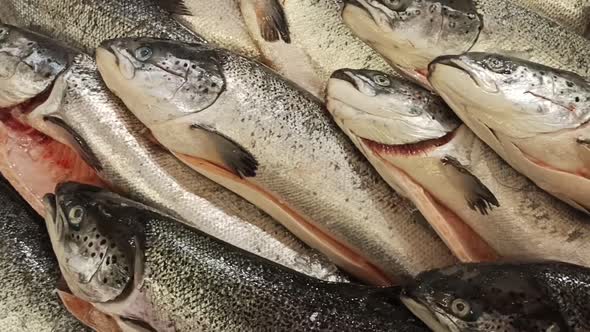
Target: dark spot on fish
x=93, y=254
x=85, y=238
x=569, y=84
x=90, y=245
x=105, y=280
x=577, y=99
x=102, y=242
x=101, y=255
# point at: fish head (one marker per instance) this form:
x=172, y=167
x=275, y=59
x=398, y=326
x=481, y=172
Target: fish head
x=161, y=79
x=481, y=297
x=94, y=240
x=411, y=33
x=29, y=63
x=518, y=97
x=385, y=109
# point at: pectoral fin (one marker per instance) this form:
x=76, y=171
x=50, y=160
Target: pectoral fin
x=174, y=6
x=272, y=21
x=478, y=196
x=229, y=154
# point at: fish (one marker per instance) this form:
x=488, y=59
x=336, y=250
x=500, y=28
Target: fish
x=32, y=162
x=411, y=34
x=83, y=114
x=29, y=271
x=95, y=21
x=243, y=126
x=219, y=22
x=535, y=117
x=417, y=143
x=306, y=40
x=572, y=14
x=131, y=259
x=517, y=296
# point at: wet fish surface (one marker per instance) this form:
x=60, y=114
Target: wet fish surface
x=410, y=34
x=534, y=116
x=28, y=271
x=219, y=22
x=410, y=135
x=32, y=162
x=179, y=279
x=310, y=40
x=94, y=21
x=82, y=113
x=572, y=14
x=240, y=124
x=544, y=296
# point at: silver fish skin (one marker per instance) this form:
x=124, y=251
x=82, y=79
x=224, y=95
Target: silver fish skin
x=84, y=24
x=219, y=22
x=410, y=34
x=179, y=279
x=82, y=113
x=29, y=63
x=572, y=14
x=511, y=297
x=407, y=132
x=245, y=127
x=314, y=43
x=29, y=272
x=535, y=117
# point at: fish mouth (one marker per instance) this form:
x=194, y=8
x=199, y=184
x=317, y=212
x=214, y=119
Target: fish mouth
x=344, y=75
x=409, y=149
x=423, y=312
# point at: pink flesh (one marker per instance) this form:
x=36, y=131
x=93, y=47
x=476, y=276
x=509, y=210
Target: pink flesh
x=34, y=163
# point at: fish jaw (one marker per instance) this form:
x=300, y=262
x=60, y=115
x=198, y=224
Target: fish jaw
x=428, y=317
x=405, y=162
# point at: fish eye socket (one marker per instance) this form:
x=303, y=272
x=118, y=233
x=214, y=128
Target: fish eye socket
x=497, y=65
x=76, y=215
x=143, y=53
x=381, y=80
x=460, y=307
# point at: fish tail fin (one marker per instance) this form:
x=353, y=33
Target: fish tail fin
x=272, y=21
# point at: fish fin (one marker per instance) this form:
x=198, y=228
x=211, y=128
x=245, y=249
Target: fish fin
x=174, y=6
x=272, y=21
x=76, y=142
x=233, y=156
x=478, y=196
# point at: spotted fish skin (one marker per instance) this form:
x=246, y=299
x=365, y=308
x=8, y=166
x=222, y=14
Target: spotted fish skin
x=545, y=296
x=277, y=147
x=95, y=20
x=29, y=272
x=410, y=34
x=186, y=280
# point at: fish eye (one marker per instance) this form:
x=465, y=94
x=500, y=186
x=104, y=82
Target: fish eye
x=381, y=80
x=143, y=53
x=497, y=65
x=460, y=307
x=75, y=215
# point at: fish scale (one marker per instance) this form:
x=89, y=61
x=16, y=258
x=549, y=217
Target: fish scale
x=28, y=271
x=573, y=14
x=95, y=21
x=515, y=30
